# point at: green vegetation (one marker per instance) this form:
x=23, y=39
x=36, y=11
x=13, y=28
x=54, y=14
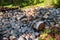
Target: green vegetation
x=24, y=3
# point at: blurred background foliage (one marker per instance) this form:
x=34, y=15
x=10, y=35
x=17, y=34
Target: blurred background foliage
x=23, y=3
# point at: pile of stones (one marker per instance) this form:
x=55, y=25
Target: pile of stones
x=16, y=23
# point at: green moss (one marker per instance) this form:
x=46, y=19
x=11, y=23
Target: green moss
x=51, y=38
x=47, y=31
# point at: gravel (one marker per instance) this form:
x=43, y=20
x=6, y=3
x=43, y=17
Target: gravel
x=16, y=23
